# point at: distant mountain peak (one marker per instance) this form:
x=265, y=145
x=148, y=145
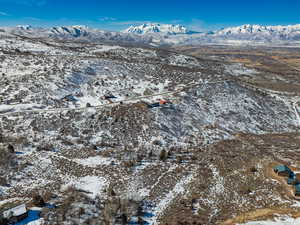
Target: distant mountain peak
x=152, y=28
x=259, y=29
x=75, y=31
x=156, y=34
x=24, y=27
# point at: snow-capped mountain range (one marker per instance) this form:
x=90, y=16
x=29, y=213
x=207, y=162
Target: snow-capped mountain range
x=258, y=29
x=151, y=28
x=258, y=32
x=75, y=31
x=161, y=34
x=78, y=32
x=81, y=125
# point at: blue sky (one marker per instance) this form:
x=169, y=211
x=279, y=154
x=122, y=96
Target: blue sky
x=119, y=14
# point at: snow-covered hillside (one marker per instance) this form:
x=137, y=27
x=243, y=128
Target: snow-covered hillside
x=113, y=134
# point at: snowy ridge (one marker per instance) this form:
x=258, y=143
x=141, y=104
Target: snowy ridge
x=78, y=32
x=245, y=34
x=150, y=28
x=157, y=34
x=259, y=29
x=75, y=31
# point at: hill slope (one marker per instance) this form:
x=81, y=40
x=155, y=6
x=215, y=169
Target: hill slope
x=87, y=130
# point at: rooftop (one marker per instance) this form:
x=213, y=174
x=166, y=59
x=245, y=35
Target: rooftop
x=282, y=168
x=16, y=211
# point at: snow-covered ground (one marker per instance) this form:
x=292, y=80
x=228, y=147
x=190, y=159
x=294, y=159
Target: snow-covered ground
x=86, y=116
x=93, y=185
x=94, y=161
x=179, y=189
x=238, y=70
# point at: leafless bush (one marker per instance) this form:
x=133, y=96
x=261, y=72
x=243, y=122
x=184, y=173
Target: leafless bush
x=163, y=155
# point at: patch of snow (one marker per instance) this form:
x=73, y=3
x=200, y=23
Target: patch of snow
x=163, y=204
x=3, y=202
x=18, y=107
x=37, y=222
x=16, y=211
x=218, y=187
x=296, y=204
x=238, y=69
x=91, y=184
x=94, y=161
x=106, y=48
x=297, y=112
x=182, y=60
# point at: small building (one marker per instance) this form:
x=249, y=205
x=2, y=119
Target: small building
x=106, y=97
x=163, y=102
x=291, y=179
x=283, y=170
x=69, y=98
x=297, y=190
x=15, y=214
x=154, y=105
x=297, y=178
x=158, y=104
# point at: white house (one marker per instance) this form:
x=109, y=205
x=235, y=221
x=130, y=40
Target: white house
x=18, y=211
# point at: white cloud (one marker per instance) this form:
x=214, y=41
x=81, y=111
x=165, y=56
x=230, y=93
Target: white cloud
x=3, y=13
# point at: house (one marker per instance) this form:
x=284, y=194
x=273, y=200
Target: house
x=297, y=190
x=158, y=104
x=69, y=98
x=109, y=97
x=283, y=170
x=291, y=179
x=154, y=105
x=16, y=213
x=297, y=180
x=106, y=97
x=163, y=102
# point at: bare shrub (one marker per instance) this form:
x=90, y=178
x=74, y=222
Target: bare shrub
x=163, y=155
